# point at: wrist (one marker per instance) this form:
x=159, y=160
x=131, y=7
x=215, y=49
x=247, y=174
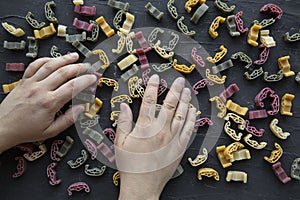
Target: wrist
x=133, y=189
x=136, y=195
x=6, y=141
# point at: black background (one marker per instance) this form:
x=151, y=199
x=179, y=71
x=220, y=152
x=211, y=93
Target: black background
x=262, y=183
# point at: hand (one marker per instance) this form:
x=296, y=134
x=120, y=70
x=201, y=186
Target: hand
x=148, y=155
x=27, y=114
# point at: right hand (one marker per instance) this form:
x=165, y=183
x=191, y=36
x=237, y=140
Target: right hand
x=148, y=155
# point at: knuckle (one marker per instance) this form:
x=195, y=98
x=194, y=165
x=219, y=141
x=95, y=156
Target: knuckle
x=179, y=117
x=121, y=122
x=47, y=101
x=62, y=70
x=32, y=91
x=191, y=126
x=49, y=132
x=64, y=73
x=36, y=62
x=149, y=99
x=152, y=84
x=122, y=126
x=69, y=120
x=192, y=119
x=169, y=106
x=71, y=85
x=80, y=66
x=186, y=99
x=48, y=67
x=177, y=88
x=122, y=119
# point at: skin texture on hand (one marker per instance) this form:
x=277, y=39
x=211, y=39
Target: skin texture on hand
x=27, y=114
x=148, y=154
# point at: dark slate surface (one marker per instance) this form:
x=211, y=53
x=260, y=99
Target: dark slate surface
x=262, y=183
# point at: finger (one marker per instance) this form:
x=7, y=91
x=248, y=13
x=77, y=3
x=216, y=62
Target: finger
x=125, y=119
x=64, y=121
x=147, y=110
x=54, y=64
x=171, y=101
x=34, y=67
x=188, y=127
x=124, y=124
x=71, y=88
x=181, y=111
x=63, y=74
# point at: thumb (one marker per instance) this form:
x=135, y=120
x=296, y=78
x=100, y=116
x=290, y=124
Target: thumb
x=64, y=121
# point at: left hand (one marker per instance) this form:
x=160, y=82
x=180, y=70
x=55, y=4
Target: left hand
x=27, y=114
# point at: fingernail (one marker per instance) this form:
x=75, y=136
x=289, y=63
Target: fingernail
x=94, y=77
x=155, y=78
x=74, y=55
x=193, y=110
x=78, y=109
x=122, y=107
x=99, y=75
x=186, y=92
x=88, y=64
x=181, y=81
